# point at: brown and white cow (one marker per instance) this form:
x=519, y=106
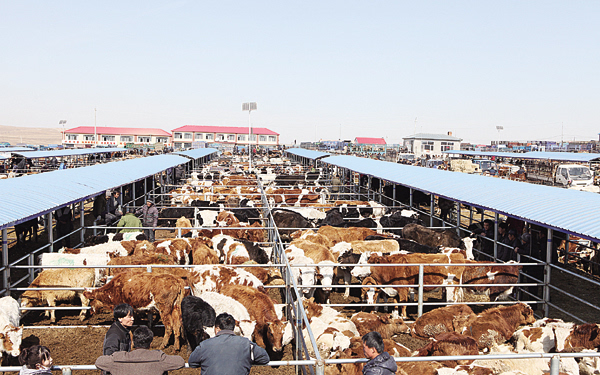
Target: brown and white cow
x=145, y=291
x=269, y=328
x=11, y=333
x=337, y=235
x=451, y=318
x=584, y=336
x=59, y=278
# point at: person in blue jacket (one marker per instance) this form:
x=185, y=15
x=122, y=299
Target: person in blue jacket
x=227, y=353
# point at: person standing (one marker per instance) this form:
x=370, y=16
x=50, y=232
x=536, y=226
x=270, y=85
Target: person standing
x=149, y=214
x=129, y=220
x=226, y=353
x=141, y=360
x=380, y=362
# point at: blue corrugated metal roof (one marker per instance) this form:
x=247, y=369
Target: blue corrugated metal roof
x=70, y=152
x=311, y=154
x=568, y=210
x=28, y=196
x=558, y=156
x=15, y=149
x=197, y=153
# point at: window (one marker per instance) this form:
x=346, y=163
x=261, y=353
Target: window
x=126, y=138
x=272, y=138
x=209, y=137
x=199, y=136
x=447, y=146
x=144, y=139
x=72, y=137
x=187, y=135
x=88, y=137
x=253, y=137
x=230, y=137
x=262, y=138
x=162, y=140
x=187, y=145
x=178, y=136
x=427, y=146
x=108, y=138
x=241, y=137
x=220, y=137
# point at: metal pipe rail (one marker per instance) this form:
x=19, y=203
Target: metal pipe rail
x=554, y=359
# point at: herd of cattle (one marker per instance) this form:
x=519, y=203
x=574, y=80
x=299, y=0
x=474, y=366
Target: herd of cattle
x=221, y=255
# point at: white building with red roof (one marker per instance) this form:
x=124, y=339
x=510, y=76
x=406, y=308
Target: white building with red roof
x=370, y=145
x=228, y=136
x=90, y=136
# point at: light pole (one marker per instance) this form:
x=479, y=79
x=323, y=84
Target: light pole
x=498, y=127
x=250, y=106
x=63, y=122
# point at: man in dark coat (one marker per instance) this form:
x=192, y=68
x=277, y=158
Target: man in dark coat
x=64, y=224
x=114, y=209
x=117, y=337
x=380, y=362
x=149, y=214
x=226, y=353
x=142, y=360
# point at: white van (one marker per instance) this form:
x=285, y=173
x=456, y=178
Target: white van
x=575, y=176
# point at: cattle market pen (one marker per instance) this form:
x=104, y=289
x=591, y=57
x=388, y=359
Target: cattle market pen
x=351, y=171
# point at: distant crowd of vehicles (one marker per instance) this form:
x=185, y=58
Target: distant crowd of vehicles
x=568, y=175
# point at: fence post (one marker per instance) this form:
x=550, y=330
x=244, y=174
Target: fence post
x=320, y=367
x=50, y=232
x=66, y=371
x=81, y=222
x=495, y=236
x=547, y=269
x=420, y=306
x=31, y=271
x=431, y=209
x=394, y=196
x=554, y=365
x=6, y=272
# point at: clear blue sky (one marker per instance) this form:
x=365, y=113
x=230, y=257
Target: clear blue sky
x=317, y=69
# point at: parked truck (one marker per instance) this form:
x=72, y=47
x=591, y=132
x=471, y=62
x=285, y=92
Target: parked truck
x=572, y=176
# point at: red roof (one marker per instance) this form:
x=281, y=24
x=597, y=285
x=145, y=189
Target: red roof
x=370, y=141
x=224, y=129
x=118, y=131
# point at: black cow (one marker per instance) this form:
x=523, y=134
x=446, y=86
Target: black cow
x=23, y=229
x=289, y=219
x=333, y=218
x=403, y=196
x=168, y=216
x=396, y=220
x=197, y=314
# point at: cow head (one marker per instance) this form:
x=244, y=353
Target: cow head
x=275, y=331
x=11, y=337
x=326, y=272
x=95, y=304
x=369, y=294
x=307, y=278
x=527, y=316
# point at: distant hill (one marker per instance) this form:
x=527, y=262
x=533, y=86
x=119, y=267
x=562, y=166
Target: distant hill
x=31, y=136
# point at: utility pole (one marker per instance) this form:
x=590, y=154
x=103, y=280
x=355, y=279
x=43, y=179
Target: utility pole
x=95, y=132
x=250, y=106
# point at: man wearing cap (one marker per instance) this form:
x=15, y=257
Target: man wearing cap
x=149, y=214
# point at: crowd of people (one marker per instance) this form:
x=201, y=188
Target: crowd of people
x=127, y=351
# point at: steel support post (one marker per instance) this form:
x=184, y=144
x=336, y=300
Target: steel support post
x=6, y=273
x=420, y=305
x=431, y=209
x=547, y=269
x=82, y=222
x=495, y=236
x=50, y=231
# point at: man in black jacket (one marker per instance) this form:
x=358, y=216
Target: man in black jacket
x=226, y=353
x=117, y=337
x=380, y=361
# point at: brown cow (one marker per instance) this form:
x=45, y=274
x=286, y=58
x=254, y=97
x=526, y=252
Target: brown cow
x=450, y=318
x=384, y=324
x=584, y=336
x=163, y=292
x=496, y=325
x=450, y=344
x=337, y=235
